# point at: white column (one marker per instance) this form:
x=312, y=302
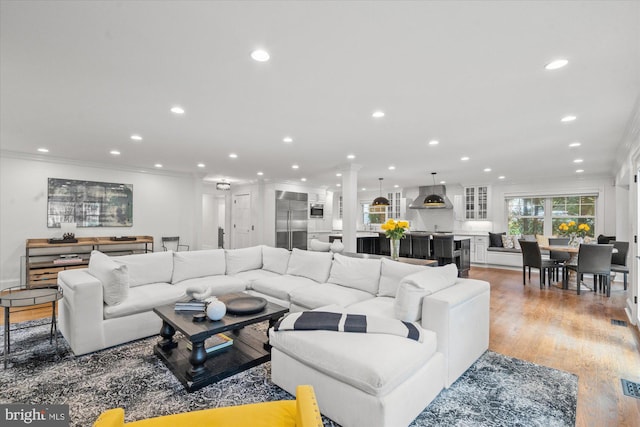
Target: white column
x=350, y=207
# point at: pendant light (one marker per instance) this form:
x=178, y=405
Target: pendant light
x=434, y=200
x=380, y=201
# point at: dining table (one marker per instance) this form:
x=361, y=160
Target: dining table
x=573, y=260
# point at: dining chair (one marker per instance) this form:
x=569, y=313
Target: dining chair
x=619, y=259
x=596, y=260
x=173, y=244
x=531, y=257
x=444, y=249
x=559, y=257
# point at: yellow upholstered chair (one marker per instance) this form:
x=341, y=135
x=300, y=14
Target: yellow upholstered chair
x=302, y=412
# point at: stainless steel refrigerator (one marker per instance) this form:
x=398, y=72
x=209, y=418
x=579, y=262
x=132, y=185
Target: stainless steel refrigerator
x=291, y=220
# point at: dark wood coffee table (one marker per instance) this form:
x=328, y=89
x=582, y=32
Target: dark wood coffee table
x=195, y=368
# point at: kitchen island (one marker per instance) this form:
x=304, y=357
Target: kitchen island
x=416, y=244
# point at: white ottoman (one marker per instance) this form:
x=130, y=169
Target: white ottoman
x=360, y=380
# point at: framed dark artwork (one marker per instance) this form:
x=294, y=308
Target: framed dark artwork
x=89, y=203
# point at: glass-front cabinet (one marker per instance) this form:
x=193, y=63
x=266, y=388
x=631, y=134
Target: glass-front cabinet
x=476, y=202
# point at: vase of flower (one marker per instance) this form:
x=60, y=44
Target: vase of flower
x=574, y=240
x=394, y=230
x=395, y=249
x=576, y=232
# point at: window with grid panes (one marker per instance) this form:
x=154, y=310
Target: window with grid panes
x=581, y=209
x=543, y=215
x=526, y=215
x=373, y=214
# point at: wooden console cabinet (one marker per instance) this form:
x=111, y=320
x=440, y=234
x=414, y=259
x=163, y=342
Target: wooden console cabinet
x=43, y=263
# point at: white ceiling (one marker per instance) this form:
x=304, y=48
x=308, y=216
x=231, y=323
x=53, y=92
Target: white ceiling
x=80, y=77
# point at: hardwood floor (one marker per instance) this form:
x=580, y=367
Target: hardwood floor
x=574, y=333
x=559, y=329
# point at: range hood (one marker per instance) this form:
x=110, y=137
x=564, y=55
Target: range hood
x=425, y=191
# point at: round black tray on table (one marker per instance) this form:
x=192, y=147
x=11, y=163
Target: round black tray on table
x=246, y=305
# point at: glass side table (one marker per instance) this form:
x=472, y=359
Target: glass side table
x=18, y=297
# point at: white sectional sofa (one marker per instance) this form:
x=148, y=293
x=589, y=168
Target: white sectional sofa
x=390, y=379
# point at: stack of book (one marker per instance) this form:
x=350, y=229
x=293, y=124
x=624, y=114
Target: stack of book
x=193, y=305
x=215, y=343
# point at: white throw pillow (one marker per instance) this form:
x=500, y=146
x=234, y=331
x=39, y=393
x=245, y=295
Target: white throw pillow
x=355, y=273
x=516, y=241
x=189, y=265
x=156, y=267
x=114, y=277
x=275, y=259
x=391, y=273
x=318, y=246
x=413, y=288
x=309, y=264
x=243, y=259
x=507, y=242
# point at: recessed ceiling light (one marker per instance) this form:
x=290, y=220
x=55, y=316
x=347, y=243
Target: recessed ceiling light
x=260, y=173
x=554, y=65
x=566, y=119
x=158, y=165
x=303, y=179
x=434, y=142
x=396, y=186
x=377, y=114
x=201, y=165
x=176, y=109
x=43, y=150
x=575, y=144
x=294, y=166
x=338, y=185
x=501, y=177
x=464, y=158
x=487, y=169
x=579, y=170
x=391, y=168
x=338, y=174
x=233, y=156
x=351, y=156
x=136, y=137
x=578, y=161
x=363, y=189
x=287, y=139
x=114, y=152
x=443, y=182
x=260, y=55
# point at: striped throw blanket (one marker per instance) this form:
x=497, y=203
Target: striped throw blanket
x=343, y=322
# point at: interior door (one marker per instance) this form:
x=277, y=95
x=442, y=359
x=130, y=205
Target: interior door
x=241, y=215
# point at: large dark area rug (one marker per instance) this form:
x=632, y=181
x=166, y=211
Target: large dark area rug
x=496, y=391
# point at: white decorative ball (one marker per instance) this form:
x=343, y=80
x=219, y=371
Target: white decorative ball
x=216, y=309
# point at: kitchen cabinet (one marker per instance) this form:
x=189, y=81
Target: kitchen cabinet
x=475, y=203
x=478, y=247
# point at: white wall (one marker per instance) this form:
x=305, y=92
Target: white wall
x=162, y=206
x=210, y=221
